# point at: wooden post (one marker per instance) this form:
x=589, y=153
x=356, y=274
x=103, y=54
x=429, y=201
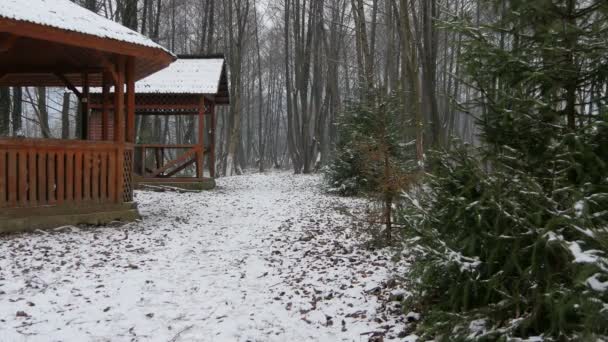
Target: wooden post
x=201, y=138
x=119, y=103
x=106, y=107
x=119, y=127
x=85, y=107
x=212, y=142
x=130, y=79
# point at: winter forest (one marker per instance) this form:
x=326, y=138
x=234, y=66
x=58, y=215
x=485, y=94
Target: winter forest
x=388, y=170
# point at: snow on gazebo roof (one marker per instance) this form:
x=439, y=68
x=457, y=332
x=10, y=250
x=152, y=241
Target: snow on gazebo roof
x=68, y=16
x=185, y=76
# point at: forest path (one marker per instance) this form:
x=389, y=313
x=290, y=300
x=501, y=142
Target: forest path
x=257, y=259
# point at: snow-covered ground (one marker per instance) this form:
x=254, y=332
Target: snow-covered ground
x=264, y=257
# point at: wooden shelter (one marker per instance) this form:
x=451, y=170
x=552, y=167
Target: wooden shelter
x=192, y=86
x=60, y=44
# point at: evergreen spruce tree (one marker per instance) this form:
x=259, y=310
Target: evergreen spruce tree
x=511, y=237
x=371, y=157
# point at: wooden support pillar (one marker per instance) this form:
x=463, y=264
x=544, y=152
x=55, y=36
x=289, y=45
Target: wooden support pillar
x=119, y=102
x=200, y=156
x=85, y=107
x=105, y=128
x=130, y=80
x=119, y=126
x=212, y=142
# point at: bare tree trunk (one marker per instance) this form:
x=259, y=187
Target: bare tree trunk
x=5, y=111
x=43, y=113
x=65, y=116
x=17, y=112
x=236, y=38
x=410, y=78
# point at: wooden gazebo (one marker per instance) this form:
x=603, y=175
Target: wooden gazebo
x=192, y=86
x=51, y=182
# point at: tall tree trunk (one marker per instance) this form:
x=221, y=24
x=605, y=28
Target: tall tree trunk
x=410, y=78
x=17, y=113
x=43, y=113
x=236, y=37
x=129, y=14
x=65, y=116
x=5, y=111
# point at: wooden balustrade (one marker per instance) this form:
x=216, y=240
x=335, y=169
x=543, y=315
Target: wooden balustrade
x=164, y=164
x=48, y=172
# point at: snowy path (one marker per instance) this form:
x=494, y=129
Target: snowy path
x=258, y=259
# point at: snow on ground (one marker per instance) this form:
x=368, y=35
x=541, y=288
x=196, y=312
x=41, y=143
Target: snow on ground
x=264, y=257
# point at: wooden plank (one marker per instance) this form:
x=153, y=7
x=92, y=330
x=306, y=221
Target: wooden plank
x=130, y=80
x=103, y=177
x=86, y=178
x=212, y=143
x=12, y=178
x=22, y=175
x=175, y=180
x=7, y=41
x=146, y=109
x=95, y=177
x=112, y=176
x=119, y=102
x=170, y=146
x=20, y=28
x=200, y=161
x=77, y=176
x=69, y=176
x=174, y=162
x=119, y=128
x=3, y=179
x=41, y=169
x=85, y=107
x=69, y=85
x=105, y=107
x=51, y=181
x=179, y=169
x=32, y=174
x=46, y=144
x=60, y=166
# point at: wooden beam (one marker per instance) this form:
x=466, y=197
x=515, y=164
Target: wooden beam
x=174, y=180
x=130, y=79
x=105, y=112
x=181, y=168
x=212, y=142
x=193, y=109
x=49, y=69
x=72, y=38
x=169, y=146
x=69, y=85
x=119, y=130
x=7, y=41
x=200, y=158
x=174, y=162
x=85, y=106
x=119, y=102
x=108, y=66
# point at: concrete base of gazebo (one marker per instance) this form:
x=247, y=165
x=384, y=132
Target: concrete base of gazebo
x=191, y=184
x=15, y=220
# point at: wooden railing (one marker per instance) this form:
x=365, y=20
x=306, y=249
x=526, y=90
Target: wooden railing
x=166, y=161
x=48, y=172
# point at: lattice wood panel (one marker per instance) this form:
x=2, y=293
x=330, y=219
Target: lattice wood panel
x=128, y=176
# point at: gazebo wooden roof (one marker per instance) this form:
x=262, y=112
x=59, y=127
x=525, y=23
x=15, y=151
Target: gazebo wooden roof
x=58, y=43
x=192, y=85
x=45, y=42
